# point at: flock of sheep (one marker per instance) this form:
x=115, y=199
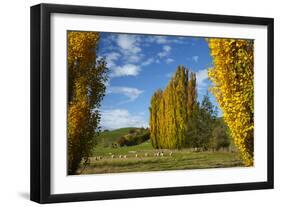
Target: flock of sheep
x=136, y=155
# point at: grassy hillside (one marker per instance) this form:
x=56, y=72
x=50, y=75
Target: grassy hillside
x=106, y=138
x=146, y=160
x=143, y=157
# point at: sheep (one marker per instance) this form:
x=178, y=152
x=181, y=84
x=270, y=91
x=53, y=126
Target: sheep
x=161, y=154
x=125, y=156
x=171, y=153
x=120, y=156
x=112, y=156
x=146, y=154
x=136, y=155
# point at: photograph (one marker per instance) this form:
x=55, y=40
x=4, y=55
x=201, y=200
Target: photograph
x=133, y=103
x=156, y=102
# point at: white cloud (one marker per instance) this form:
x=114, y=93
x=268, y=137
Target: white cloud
x=120, y=118
x=201, y=76
x=195, y=58
x=165, y=51
x=111, y=58
x=134, y=58
x=162, y=54
x=169, y=60
x=127, y=53
x=131, y=93
x=167, y=48
x=128, y=42
x=129, y=47
x=157, y=39
x=165, y=40
x=161, y=39
x=148, y=62
x=125, y=70
x=169, y=75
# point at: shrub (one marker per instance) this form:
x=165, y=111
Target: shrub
x=220, y=138
x=138, y=137
x=121, y=141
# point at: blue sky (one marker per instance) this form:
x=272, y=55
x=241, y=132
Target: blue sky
x=139, y=65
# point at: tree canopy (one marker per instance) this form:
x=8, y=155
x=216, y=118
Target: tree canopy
x=86, y=88
x=177, y=120
x=233, y=79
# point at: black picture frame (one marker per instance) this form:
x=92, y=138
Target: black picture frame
x=41, y=96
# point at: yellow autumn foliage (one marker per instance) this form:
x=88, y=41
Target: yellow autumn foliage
x=169, y=110
x=86, y=88
x=80, y=46
x=233, y=86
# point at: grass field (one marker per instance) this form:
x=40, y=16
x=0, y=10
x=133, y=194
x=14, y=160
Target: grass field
x=143, y=158
x=105, y=139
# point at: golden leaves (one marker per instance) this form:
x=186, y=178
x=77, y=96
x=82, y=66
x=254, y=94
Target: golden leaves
x=169, y=110
x=233, y=76
x=80, y=46
x=86, y=88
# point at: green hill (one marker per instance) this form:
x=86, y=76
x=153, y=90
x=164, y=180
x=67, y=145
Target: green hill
x=106, y=138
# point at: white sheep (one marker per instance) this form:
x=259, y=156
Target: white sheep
x=136, y=155
x=146, y=154
x=161, y=154
x=170, y=153
x=125, y=156
x=112, y=156
x=120, y=156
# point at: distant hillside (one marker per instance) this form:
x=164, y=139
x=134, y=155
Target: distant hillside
x=106, y=138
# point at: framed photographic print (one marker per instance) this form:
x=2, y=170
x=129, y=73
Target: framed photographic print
x=132, y=103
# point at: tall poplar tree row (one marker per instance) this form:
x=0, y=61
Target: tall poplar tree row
x=154, y=121
x=192, y=112
x=180, y=109
x=233, y=78
x=170, y=109
x=192, y=94
x=86, y=88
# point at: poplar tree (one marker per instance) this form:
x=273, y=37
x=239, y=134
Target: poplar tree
x=233, y=79
x=181, y=98
x=154, y=118
x=86, y=88
x=192, y=94
x=169, y=113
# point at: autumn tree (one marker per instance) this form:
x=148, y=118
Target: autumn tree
x=201, y=124
x=180, y=109
x=86, y=88
x=233, y=80
x=192, y=94
x=168, y=113
x=154, y=119
x=220, y=136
